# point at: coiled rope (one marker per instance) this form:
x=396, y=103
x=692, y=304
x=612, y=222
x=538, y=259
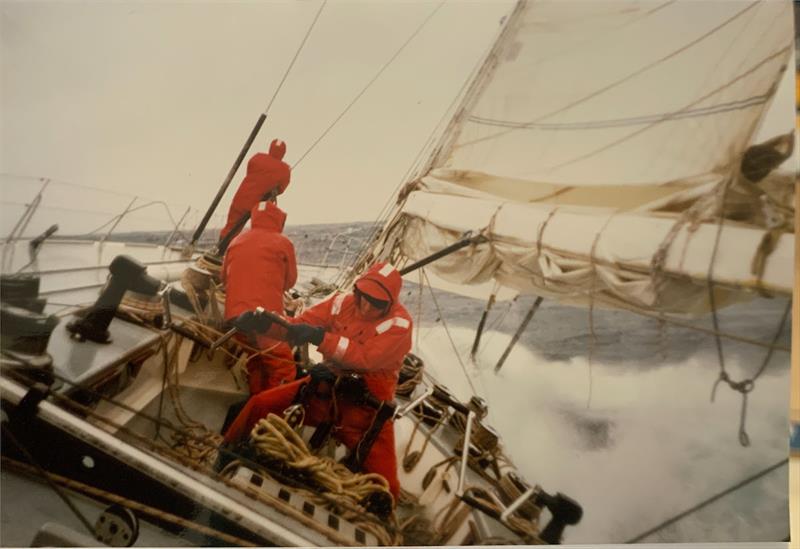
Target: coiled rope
x=353, y=513
x=340, y=489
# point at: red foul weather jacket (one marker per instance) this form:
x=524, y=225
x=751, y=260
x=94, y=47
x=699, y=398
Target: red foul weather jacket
x=264, y=173
x=373, y=348
x=259, y=266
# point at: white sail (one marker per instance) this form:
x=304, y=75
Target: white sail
x=622, y=92
x=572, y=253
x=598, y=149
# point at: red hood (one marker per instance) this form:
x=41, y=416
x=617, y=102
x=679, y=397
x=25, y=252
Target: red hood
x=277, y=149
x=266, y=215
x=381, y=281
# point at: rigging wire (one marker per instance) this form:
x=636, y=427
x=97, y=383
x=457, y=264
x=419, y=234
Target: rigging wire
x=119, y=217
x=447, y=331
x=168, y=450
x=497, y=323
x=625, y=78
x=365, y=88
x=46, y=476
x=383, y=215
x=133, y=505
x=708, y=501
x=33, y=179
x=296, y=55
x=632, y=121
x=633, y=134
x=589, y=43
x=94, y=393
x=689, y=326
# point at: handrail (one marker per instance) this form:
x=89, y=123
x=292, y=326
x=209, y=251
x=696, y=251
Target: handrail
x=119, y=218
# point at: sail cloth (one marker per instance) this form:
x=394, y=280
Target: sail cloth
x=621, y=92
x=580, y=254
x=595, y=151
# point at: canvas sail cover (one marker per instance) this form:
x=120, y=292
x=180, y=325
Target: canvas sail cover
x=598, y=148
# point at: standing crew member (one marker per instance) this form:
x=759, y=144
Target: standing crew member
x=366, y=332
x=259, y=267
x=265, y=172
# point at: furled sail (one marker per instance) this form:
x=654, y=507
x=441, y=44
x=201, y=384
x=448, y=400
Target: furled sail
x=599, y=151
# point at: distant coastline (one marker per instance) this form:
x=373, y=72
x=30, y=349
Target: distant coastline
x=328, y=243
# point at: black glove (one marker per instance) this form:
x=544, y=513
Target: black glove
x=319, y=373
x=298, y=334
x=252, y=321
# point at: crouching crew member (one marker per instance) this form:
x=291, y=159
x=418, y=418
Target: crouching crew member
x=259, y=267
x=366, y=332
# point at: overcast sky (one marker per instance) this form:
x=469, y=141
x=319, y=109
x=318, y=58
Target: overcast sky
x=156, y=99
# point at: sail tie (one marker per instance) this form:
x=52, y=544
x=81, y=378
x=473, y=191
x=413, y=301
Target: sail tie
x=592, y=292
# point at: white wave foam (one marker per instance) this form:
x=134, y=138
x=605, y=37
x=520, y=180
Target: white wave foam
x=649, y=445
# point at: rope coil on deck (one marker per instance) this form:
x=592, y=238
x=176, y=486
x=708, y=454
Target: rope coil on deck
x=142, y=308
x=412, y=373
x=339, y=488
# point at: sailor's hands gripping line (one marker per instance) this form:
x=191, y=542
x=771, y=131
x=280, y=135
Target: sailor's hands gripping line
x=257, y=321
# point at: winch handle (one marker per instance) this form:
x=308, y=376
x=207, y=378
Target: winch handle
x=221, y=340
x=274, y=318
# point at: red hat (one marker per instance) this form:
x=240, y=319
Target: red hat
x=381, y=281
x=277, y=149
x=267, y=215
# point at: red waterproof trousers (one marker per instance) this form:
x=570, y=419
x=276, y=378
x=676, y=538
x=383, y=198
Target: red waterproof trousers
x=351, y=425
x=271, y=369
